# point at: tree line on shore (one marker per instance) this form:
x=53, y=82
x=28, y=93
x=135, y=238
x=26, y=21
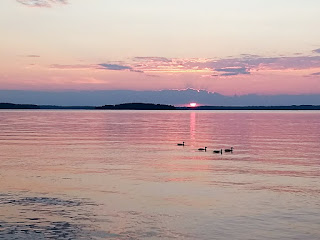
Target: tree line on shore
x=152, y=106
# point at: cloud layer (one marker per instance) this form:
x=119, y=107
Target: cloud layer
x=228, y=67
x=316, y=50
x=41, y=3
x=101, y=66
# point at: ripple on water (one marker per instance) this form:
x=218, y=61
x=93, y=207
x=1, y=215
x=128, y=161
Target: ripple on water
x=60, y=218
x=48, y=218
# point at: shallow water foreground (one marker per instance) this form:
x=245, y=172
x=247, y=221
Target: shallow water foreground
x=121, y=175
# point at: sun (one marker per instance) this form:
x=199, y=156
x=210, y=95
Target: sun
x=193, y=104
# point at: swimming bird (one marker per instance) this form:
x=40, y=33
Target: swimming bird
x=202, y=149
x=217, y=151
x=181, y=144
x=229, y=150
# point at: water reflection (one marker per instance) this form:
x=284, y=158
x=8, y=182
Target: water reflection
x=120, y=175
x=192, y=126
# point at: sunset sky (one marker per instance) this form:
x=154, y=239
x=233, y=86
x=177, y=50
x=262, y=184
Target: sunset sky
x=230, y=47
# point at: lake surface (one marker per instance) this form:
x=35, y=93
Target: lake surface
x=121, y=175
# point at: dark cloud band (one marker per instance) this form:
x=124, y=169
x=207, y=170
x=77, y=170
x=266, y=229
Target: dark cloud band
x=115, y=67
x=233, y=71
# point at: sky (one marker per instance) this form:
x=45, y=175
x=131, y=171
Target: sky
x=230, y=47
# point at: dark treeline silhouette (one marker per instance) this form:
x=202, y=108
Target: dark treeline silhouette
x=170, y=97
x=18, y=106
x=138, y=106
x=66, y=107
x=292, y=107
x=33, y=106
x=151, y=106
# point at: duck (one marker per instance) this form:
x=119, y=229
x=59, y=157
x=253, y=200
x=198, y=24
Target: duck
x=217, y=151
x=202, y=149
x=229, y=150
x=180, y=144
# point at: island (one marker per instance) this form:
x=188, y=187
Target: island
x=138, y=106
x=18, y=106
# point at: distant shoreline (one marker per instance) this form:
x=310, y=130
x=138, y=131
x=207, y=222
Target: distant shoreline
x=151, y=106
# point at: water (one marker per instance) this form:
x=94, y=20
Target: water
x=121, y=175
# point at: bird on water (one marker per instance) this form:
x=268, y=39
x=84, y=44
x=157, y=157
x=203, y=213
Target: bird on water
x=202, y=149
x=217, y=151
x=181, y=144
x=229, y=149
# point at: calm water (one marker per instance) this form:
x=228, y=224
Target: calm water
x=120, y=175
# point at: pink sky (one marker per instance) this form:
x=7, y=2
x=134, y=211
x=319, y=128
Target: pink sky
x=229, y=48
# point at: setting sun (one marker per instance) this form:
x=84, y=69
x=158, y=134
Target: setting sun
x=193, y=104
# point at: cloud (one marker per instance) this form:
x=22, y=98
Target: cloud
x=32, y=56
x=115, y=67
x=247, y=55
x=118, y=67
x=296, y=63
x=245, y=64
x=233, y=71
x=315, y=74
x=75, y=66
x=316, y=50
x=41, y=3
x=153, y=59
x=165, y=65
x=259, y=63
x=104, y=66
x=101, y=66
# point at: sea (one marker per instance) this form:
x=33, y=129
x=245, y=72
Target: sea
x=89, y=174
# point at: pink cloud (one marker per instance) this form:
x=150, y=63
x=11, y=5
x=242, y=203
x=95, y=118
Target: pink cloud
x=240, y=75
x=100, y=66
x=228, y=66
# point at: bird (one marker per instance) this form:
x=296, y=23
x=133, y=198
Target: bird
x=180, y=144
x=229, y=150
x=217, y=151
x=202, y=149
